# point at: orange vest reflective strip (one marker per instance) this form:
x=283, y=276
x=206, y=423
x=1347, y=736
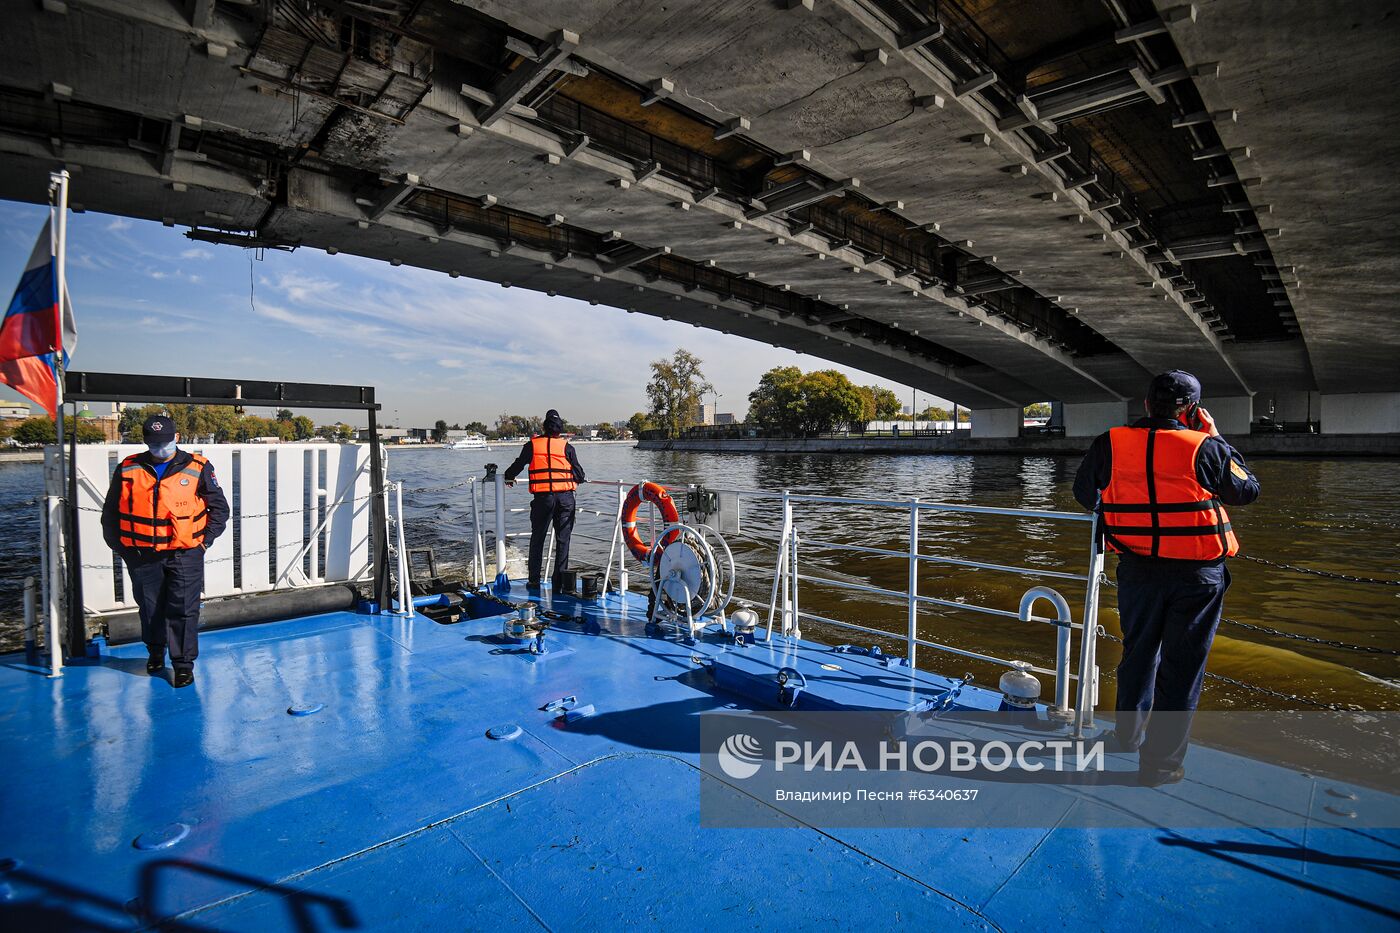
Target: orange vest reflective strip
x=1155, y=506
x=162, y=515
x=550, y=470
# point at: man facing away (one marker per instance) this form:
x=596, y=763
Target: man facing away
x=554, y=475
x=163, y=509
x=1160, y=487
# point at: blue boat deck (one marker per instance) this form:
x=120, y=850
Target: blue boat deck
x=391, y=808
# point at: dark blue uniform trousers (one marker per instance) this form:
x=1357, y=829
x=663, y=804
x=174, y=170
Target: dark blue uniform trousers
x=556, y=508
x=166, y=585
x=1169, y=619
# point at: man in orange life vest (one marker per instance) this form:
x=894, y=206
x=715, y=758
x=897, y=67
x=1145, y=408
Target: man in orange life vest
x=554, y=475
x=1160, y=487
x=163, y=509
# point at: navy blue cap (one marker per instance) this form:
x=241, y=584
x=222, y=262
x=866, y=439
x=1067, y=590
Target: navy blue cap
x=1177, y=387
x=553, y=424
x=158, y=429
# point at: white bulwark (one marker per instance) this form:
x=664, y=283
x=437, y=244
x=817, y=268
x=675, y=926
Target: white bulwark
x=300, y=516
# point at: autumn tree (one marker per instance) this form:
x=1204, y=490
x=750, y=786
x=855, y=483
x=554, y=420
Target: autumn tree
x=676, y=388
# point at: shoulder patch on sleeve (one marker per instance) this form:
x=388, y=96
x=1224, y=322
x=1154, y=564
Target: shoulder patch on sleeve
x=213, y=480
x=1239, y=471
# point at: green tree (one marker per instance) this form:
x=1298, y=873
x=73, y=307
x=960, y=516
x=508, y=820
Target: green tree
x=476, y=426
x=440, y=431
x=886, y=403
x=41, y=430
x=133, y=418
x=936, y=413
x=830, y=400
x=607, y=432
x=36, y=431
x=284, y=414
x=304, y=427
x=340, y=431
x=519, y=425
x=777, y=404
x=1037, y=410
x=676, y=388
x=791, y=401
x=638, y=423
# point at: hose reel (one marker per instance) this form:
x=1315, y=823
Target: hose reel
x=692, y=576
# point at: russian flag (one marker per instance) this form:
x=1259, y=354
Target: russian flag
x=32, y=334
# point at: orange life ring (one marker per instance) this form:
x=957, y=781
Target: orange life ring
x=657, y=496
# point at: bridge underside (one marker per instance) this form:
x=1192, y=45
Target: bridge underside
x=997, y=207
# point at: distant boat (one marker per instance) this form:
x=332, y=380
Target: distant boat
x=470, y=442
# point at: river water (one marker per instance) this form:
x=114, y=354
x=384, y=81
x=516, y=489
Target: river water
x=1333, y=515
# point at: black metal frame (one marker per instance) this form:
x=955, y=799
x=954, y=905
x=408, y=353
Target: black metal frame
x=200, y=390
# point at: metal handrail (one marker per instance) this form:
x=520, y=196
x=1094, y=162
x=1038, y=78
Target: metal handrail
x=785, y=597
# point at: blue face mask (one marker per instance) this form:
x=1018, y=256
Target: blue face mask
x=162, y=451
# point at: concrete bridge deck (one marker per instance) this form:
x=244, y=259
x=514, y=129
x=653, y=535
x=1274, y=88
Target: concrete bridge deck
x=998, y=202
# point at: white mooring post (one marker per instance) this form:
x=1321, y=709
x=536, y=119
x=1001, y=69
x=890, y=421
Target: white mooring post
x=913, y=635
x=405, y=592
x=1088, y=648
x=502, y=578
x=53, y=517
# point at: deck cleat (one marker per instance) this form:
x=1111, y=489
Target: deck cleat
x=791, y=683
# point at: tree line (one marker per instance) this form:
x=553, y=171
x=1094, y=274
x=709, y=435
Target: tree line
x=786, y=400
x=225, y=424
x=221, y=422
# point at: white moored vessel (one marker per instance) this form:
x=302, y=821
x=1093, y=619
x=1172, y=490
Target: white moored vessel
x=470, y=442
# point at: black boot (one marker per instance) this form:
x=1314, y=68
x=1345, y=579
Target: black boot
x=183, y=678
x=155, y=661
x=1155, y=778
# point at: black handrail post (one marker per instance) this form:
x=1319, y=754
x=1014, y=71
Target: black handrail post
x=379, y=515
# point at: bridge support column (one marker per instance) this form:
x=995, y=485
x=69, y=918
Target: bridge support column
x=1090, y=419
x=996, y=422
x=1361, y=413
x=1288, y=405
x=1232, y=414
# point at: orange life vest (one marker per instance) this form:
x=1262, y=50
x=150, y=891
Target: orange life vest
x=1155, y=506
x=166, y=514
x=550, y=470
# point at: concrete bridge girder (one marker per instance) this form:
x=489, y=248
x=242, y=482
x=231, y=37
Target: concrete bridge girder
x=317, y=215
x=859, y=121
x=509, y=162
x=428, y=146
x=1320, y=129
x=167, y=68
x=322, y=215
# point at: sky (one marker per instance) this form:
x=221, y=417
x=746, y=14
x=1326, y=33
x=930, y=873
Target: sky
x=149, y=300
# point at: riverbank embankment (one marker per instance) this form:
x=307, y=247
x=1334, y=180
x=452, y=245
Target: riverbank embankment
x=1252, y=445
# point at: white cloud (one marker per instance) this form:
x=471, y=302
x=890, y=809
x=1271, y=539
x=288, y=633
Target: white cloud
x=451, y=364
x=118, y=224
x=197, y=253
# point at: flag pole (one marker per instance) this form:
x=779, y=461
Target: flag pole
x=58, y=212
